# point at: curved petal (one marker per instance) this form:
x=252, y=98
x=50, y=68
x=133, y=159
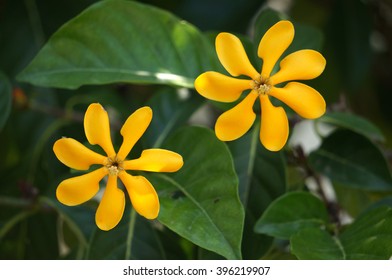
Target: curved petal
x=219, y=87
x=274, y=129
x=304, y=100
x=300, y=65
x=273, y=44
x=75, y=155
x=111, y=207
x=97, y=128
x=142, y=194
x=155, y=160
x=232, y=55
x=80, y=189
x=235, y=122
x=133, y=129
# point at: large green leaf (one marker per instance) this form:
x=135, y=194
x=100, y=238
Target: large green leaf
x=170, y=112
x=262, y=179
x=316, y=244
x=290, y=213
x=5, y=99
x=368, y=238
x=121, y=41
x=354, y=123
x=200, y=202
x=352, y=160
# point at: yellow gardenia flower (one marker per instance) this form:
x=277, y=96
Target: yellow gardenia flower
x=80, y=189
x=300, y=65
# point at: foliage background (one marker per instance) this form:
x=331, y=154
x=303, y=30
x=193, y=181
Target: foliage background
x=356, y=38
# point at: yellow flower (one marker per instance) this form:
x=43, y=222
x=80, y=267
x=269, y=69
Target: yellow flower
x=80, y=189
x=300, y=65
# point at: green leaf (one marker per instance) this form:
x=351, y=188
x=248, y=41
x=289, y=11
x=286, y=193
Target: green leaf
x=352, y=160
x=121, y=41
x=5, y=99
x=114, y=244
x=262, y=179
x=316, y=244
x=354, y=123
x=368, y=238
x=290, y=213
x=170, y=112
x=200, y=202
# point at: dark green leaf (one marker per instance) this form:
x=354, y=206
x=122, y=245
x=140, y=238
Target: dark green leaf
x=368, y=238
x=354, y=123
x=352, y=160
x=262, y=179
x=5, y=99
x=121, y=41
x=290, y=213
x=200, y=202
x=170, y=112
x=316, y=244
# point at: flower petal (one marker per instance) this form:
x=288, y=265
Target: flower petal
x=155, y=160
x=273, y=44
x=274, y=128
x=133, y=129
x=111, y=207
x=80, y=189
x=219, y=87
x=235, y=122
x=304, y=100
x=299, y=65
x=97, y=128
x=75, y=155
x=142, y=194
x=232, y=55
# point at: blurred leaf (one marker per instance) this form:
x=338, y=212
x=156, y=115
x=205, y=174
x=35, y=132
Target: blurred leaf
x=121, y=41
x=353, y=122
x=113, y=244
x=368, y=238
x=352, y=160
x=262, y=179
x=200, y=202
x=306, y=37
x=290, y=213
x=316, y=244
x=170, y=112
x=5, y=99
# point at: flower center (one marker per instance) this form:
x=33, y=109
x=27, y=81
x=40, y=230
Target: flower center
x=114, y=165
x=261, y=85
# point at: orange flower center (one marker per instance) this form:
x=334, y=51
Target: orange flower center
x=114, y=165
x=261, y=85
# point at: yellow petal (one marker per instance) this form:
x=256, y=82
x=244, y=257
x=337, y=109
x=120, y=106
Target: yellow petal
x=142, y=194
x=111, y=207
x=273, y=44
x=235, y=122
x=300, y=65
x=232, y=55
x=219, y=87
x=77, y=190
x=75, y=155
x=155, y=160
x=304, y=100
x=274, y=128
x=97, y=128
x=133, y=129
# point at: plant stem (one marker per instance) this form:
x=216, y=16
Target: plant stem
x=131, y=230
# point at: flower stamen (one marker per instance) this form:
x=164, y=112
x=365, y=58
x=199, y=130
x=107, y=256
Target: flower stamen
x=114, y=165
x=261, y=85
